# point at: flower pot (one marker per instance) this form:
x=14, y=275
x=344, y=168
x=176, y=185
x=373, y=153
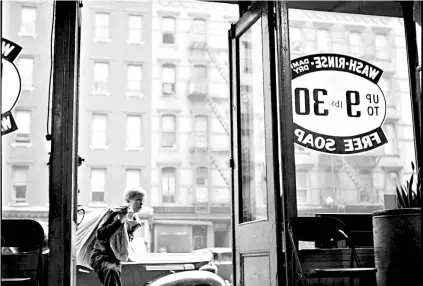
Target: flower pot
x=397, y=246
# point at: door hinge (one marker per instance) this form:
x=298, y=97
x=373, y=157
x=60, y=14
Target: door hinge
x=231, y=163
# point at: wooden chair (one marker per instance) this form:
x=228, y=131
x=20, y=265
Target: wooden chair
x=24, y=266
x=325, y=230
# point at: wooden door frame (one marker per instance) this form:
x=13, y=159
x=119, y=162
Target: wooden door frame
x=272, y=158
x=62, y=177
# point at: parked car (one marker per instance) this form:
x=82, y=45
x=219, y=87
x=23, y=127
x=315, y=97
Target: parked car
x=161, y=269
x=222, y=258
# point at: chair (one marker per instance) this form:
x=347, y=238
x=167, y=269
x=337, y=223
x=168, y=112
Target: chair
x=24, y=267
x=325, y=231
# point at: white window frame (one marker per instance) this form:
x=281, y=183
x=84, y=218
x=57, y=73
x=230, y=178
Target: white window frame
x=171, y=194
x=17, y=183
x=27, y=77
x=128, y=132
x=98, y=27
x=168, y=85
x=135, y=30
x=22, y=137
x=137, y=92
x=101, y=188
x=93, y=143
x=24, y=31
x=133, y=171
x=174, y=131
x=168, y=32
x=101, y=86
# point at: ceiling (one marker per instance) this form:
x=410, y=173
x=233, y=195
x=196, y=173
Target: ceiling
x=377, y=8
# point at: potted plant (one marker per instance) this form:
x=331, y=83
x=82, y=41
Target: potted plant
x=397, y=237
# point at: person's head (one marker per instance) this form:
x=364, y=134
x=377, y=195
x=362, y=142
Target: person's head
x=135, y=197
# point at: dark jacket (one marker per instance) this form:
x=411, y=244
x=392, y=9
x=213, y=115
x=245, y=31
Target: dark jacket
x=102, y=250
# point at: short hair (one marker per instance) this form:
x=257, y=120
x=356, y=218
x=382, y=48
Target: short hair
x=131, y=193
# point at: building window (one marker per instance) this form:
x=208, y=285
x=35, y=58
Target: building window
x=99, y=131
x=133, y=178
x=169, y=79
x=28, y=20
x=201, y=131
x=20, y=183
x=169, y=131
x=135, y=78
x=202, y=185
x=381, y=43
x=324, y=43
x=98, y=185
x=199, y=26
x=168, y=28
x=133, y=132
x=101, y=75
x=355, y=44
x=135, y=29
x=248, y=57
x=295, y=39
x=26, y=71
x=102, y=26
x=391, y=146
x=302, y=186
x=168, y=184
x=23, y=121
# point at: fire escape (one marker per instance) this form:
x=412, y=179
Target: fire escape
x=199, y=91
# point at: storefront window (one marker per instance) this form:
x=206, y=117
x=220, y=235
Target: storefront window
x=355, y=182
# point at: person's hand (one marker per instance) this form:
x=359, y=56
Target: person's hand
x=123, y=216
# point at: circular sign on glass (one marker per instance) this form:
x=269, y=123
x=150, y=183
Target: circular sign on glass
x=338, y=106
x=11, y=84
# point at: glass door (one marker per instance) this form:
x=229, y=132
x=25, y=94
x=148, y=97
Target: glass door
x=256, y=198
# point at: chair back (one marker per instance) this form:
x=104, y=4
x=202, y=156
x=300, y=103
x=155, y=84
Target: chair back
x=318, y=229
x=26, y=238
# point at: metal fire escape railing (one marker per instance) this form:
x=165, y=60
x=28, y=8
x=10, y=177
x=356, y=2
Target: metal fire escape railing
x=353, y=174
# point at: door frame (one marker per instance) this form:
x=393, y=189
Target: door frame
x=266, y=12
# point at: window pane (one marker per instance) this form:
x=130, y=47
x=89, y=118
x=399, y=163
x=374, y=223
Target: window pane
x=98, y=182
x=23, y=121
x=134, y=77
x=168, y=24
x=99, y=129
x=199, y=26
x=28, y=20
x=353, y=183
x=169, y=74
x=254, y=187
x=133, y=131
x=133, y=179
x=26, y=69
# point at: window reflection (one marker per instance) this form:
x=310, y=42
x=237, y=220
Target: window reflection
x=253, y=161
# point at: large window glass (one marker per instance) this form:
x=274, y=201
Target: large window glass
x=357, y=182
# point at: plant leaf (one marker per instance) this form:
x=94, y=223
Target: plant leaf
x=404, y=197
x=410, y=189
x=401, y=203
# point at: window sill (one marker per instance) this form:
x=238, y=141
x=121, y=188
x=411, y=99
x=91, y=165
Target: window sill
x=129, y=149
x=172, y=46
x=100, y=92
x=103, y=41
x=99, y=147
x=29, y=35
x=97, y=205
x=135, y=43
x=170, y=149
x=18, y=204
x=26, y=145
x=134, y=94
x=28, y=88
